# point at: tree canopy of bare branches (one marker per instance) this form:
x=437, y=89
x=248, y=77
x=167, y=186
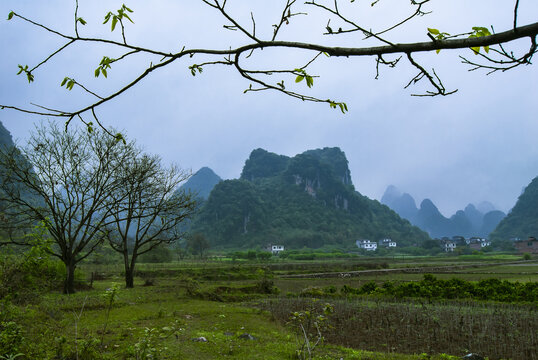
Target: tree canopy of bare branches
x=490, y=49
x=148, y=208
x=87, y=187
x=64, y=183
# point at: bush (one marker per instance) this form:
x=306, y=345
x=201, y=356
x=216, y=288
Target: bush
x=24, y=277
x=11, y=338
x=160, y=254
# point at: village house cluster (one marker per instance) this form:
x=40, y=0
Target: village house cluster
x=372, y=245
x=474, y=243
x=447, y=244
x=527, y=246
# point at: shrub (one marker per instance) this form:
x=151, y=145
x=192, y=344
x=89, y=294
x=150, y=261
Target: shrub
x=24, y=277
x=368, y=288
x=11, y=338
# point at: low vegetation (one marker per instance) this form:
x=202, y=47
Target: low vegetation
x=225, y=309
x=498, y=331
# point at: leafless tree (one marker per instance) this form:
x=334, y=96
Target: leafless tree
x=490, y=47
x=64, y=183
x=148, y=209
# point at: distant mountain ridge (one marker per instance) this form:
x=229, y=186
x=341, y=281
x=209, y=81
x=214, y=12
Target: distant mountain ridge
x=472, y=221
x=306, y=200
x=201, y=183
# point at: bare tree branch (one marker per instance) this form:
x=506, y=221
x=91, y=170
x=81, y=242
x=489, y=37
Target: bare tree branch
x=262, y=77
x=435, y=82
x=516, y=7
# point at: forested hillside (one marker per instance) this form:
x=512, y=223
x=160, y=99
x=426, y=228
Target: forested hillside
x=307, y=200
x=522, y=221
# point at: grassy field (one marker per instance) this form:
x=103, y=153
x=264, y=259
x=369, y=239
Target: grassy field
x=160, y=322
x=243, y=311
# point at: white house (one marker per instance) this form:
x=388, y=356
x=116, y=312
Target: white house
x=478, y=243
x=275, y=249
x=448, y=245
x=387, y=243
x=366, y=244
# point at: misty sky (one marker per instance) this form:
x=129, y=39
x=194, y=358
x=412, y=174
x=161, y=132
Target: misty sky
x=478, y=144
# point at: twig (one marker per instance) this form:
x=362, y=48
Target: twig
x=515, y=14
x=77, y=318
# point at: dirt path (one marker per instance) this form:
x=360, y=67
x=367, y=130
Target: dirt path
x=423, y=269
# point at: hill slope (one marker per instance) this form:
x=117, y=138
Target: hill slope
x=307, y=200
x=522, y=221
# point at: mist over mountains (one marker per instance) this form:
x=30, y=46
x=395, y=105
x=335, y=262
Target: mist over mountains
x=479, y=220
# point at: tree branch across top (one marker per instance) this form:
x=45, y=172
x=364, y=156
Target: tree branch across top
x=494, y=57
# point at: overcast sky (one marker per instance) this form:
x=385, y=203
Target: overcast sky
x=478, y=144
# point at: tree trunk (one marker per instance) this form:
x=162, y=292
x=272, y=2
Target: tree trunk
x=129, y=278
x=129, y=271
x=69, y=283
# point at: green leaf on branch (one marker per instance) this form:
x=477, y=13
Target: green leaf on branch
x=24, y=69
x=476, y=49
x=194, y=68
x=479, y=31
x=435, y=34
x=114, y=22
x=119, y=137
x=68, y=82
x=103, y=66
x=309, y=81
x=119, y=16
x=438, y=35
x=82, y=21
x=341, y=105
x=303, y=75
x=10, y=15
x=107, y=17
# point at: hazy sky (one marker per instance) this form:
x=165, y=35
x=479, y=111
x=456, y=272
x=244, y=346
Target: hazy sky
x=478, y=144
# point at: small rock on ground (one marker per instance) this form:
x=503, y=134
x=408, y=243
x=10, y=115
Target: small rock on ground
x=247, y=336
x=472, y=356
